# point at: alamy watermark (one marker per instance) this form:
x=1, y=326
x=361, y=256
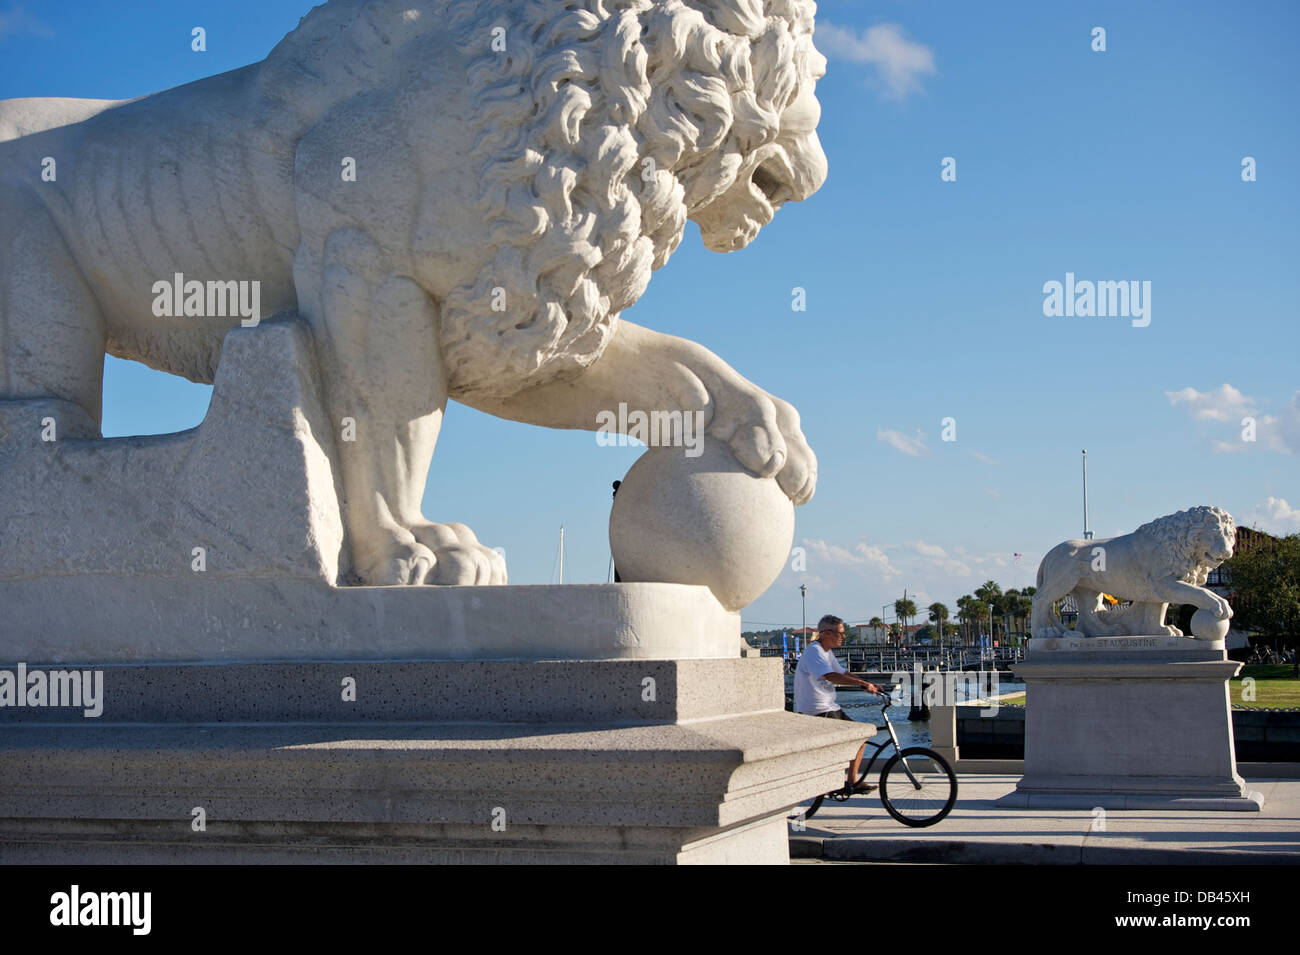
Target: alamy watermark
x=179, y=298
x=82, y=689
x=1086, y=299
x=950, y=687
x=654, y=429
x=76, y=907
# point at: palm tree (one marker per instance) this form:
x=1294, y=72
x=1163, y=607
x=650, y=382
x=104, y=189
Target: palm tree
x=968, y=612
x=979, y=612
x=876, y=624
x=1025, y=610
x=988, y=595
x=1015, y=606
x=938, y=614
x=1007, y=606
x=904, y=608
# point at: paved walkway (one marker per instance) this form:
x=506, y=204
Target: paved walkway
x=978, y=832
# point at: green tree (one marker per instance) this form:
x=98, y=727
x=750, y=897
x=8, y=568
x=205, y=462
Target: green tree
x=938, y=614
x=978, y=614
x=988, y=595
x=1266, y=586
x=1014, y=609
x=904, y=609
x=964, y=616
x=876, y=624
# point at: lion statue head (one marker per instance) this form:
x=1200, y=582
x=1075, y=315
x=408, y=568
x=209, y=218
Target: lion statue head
x=605, y=125
x=609, y=124
x=1193, y=542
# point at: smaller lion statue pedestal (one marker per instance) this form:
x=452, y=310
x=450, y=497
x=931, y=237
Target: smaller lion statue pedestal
x=1125, y=712
x=1129, y=723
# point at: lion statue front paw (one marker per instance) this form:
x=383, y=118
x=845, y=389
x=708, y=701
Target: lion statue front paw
x=458, y=557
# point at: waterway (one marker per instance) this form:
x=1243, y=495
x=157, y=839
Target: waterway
x=865, y=708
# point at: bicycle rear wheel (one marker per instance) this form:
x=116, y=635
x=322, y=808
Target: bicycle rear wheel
x=918, y=787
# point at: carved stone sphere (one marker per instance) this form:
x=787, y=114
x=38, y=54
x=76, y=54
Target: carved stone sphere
x=701, y=520
x=1206, y=626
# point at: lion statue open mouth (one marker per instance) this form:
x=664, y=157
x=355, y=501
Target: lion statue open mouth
x=1164, y=561
x=458, y=197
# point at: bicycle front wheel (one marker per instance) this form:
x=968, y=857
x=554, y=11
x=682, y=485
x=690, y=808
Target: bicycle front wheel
x=918, y=787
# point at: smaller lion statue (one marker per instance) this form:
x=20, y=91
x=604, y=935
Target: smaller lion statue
x=1164, y=561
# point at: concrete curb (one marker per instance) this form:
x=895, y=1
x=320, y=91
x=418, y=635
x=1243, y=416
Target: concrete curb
x=958, y=852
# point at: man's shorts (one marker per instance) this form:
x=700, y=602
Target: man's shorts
x=836, y=715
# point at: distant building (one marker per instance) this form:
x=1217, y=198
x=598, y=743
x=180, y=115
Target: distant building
x=879, y=636
x=870, y=636
x=803, y=634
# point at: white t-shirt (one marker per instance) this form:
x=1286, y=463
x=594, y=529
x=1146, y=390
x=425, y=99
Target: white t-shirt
x=812, y=693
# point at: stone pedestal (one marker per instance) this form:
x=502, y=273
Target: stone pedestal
x=1129, y=723
x=200, y=581
x=616, y=761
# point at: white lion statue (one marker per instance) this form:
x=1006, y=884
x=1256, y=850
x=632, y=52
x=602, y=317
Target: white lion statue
x=1162, y=562
x=458, y=197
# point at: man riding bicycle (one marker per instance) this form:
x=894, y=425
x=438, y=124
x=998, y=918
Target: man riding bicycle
x=814, y=685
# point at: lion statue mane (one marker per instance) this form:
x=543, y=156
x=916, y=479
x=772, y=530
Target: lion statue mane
x=1164, y=561
x=517, y=171
x=601, y=132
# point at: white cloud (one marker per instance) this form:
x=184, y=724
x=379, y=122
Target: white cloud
x=900, y=63
x=1280, y=432
x=982, y=457
x=862, y=554
x=1224, y=403
x=876, y=557
x=954, y=568
x=1284, y=431
x=936, y=556
x=831, y=553
x=1275, y=516
x=16, y=20
x=901, y=442
x=929, y=550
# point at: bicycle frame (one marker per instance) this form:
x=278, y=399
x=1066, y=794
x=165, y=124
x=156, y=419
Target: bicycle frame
x=893, y=741
x=897, y=764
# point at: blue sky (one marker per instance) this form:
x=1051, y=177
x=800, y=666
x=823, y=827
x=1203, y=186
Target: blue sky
x=924, y=297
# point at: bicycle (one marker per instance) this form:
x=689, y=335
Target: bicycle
x=924, y=786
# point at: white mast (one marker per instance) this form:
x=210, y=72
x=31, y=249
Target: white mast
x=557, y=571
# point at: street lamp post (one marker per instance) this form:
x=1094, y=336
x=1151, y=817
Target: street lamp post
x=988, y=680
x=803, y=594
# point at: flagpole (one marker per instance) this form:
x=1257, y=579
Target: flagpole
x=1087, y=534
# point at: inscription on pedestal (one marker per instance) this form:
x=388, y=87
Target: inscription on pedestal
x=1153, y=642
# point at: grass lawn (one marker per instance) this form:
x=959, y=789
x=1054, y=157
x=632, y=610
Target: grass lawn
x=1274, y=687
